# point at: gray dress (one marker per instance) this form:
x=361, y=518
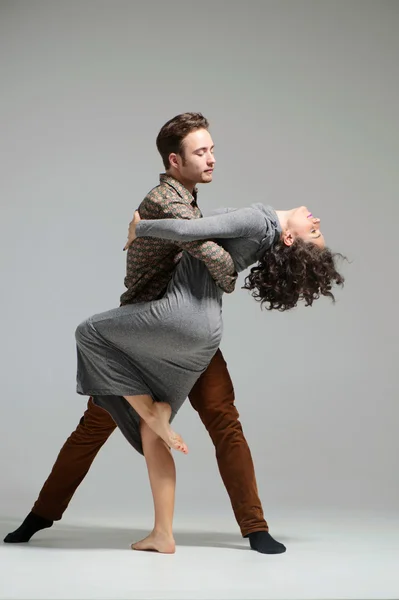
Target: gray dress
x=161, y=348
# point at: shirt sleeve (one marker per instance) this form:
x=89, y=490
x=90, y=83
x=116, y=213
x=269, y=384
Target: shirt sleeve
x=217, y=259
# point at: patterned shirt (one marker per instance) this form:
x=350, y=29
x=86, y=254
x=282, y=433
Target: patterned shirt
x=151, y=262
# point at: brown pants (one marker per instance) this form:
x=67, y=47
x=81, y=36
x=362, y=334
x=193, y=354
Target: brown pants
x=213, y=398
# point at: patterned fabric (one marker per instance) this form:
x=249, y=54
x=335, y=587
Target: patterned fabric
x=150, y=261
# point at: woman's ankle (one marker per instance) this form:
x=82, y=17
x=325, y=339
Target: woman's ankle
x=165, y=532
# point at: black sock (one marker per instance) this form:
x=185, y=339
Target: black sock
x=31, y=525
x=262, y=542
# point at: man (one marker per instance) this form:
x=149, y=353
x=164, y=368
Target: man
x=187, y=151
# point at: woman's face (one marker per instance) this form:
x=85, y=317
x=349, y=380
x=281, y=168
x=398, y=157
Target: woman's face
x=301, y=223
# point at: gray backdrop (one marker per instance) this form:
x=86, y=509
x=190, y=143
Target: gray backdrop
x=303, y=102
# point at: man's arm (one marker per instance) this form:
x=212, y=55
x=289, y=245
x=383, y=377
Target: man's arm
x=217, y=259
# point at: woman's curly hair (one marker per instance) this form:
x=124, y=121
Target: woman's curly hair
x=286, y=275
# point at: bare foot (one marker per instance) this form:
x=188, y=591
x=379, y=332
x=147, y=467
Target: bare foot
x=156, y=542
x=176, y=442
x=173, y=439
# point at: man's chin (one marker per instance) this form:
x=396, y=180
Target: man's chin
x=207, y=178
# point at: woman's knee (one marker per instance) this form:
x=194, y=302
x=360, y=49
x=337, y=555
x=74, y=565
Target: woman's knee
x=150, y=440
x=82, y=331
x=147, y=434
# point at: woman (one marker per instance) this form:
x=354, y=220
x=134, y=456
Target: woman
x=151, y=354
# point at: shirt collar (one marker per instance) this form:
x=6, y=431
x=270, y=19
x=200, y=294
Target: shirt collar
x=180, y=189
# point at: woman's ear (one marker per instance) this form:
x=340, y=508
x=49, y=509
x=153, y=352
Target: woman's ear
x=287, y=238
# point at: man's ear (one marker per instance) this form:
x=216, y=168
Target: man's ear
x=173, y=160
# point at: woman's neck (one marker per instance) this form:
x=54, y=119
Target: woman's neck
x=283, y=216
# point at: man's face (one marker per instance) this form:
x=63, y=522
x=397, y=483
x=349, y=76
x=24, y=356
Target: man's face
x=197, y=161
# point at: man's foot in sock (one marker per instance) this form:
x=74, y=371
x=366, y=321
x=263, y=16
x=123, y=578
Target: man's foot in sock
x=262, y=542
x=32, y=524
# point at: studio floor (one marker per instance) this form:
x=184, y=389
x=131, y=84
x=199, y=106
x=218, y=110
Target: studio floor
x=328, y=557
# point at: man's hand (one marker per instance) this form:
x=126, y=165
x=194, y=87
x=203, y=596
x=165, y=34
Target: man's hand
x=131, y=234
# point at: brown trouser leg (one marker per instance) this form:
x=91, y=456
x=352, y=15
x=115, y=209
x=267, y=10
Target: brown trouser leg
x=73, y=462
x=213, y=398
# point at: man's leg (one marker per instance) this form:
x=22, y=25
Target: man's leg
x=72, y=464
x=213, y=398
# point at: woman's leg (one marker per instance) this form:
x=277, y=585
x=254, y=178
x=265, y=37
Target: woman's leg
x=162, y=474
x=157, y=415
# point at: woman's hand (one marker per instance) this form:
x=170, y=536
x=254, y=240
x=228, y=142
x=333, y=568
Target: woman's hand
x=131, y=234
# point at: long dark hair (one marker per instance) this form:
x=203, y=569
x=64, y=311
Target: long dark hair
x=286, y=275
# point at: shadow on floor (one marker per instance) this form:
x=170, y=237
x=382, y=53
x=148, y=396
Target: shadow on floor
x=65, y=537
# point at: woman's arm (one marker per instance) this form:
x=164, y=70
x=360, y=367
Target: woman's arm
x=239, y=223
